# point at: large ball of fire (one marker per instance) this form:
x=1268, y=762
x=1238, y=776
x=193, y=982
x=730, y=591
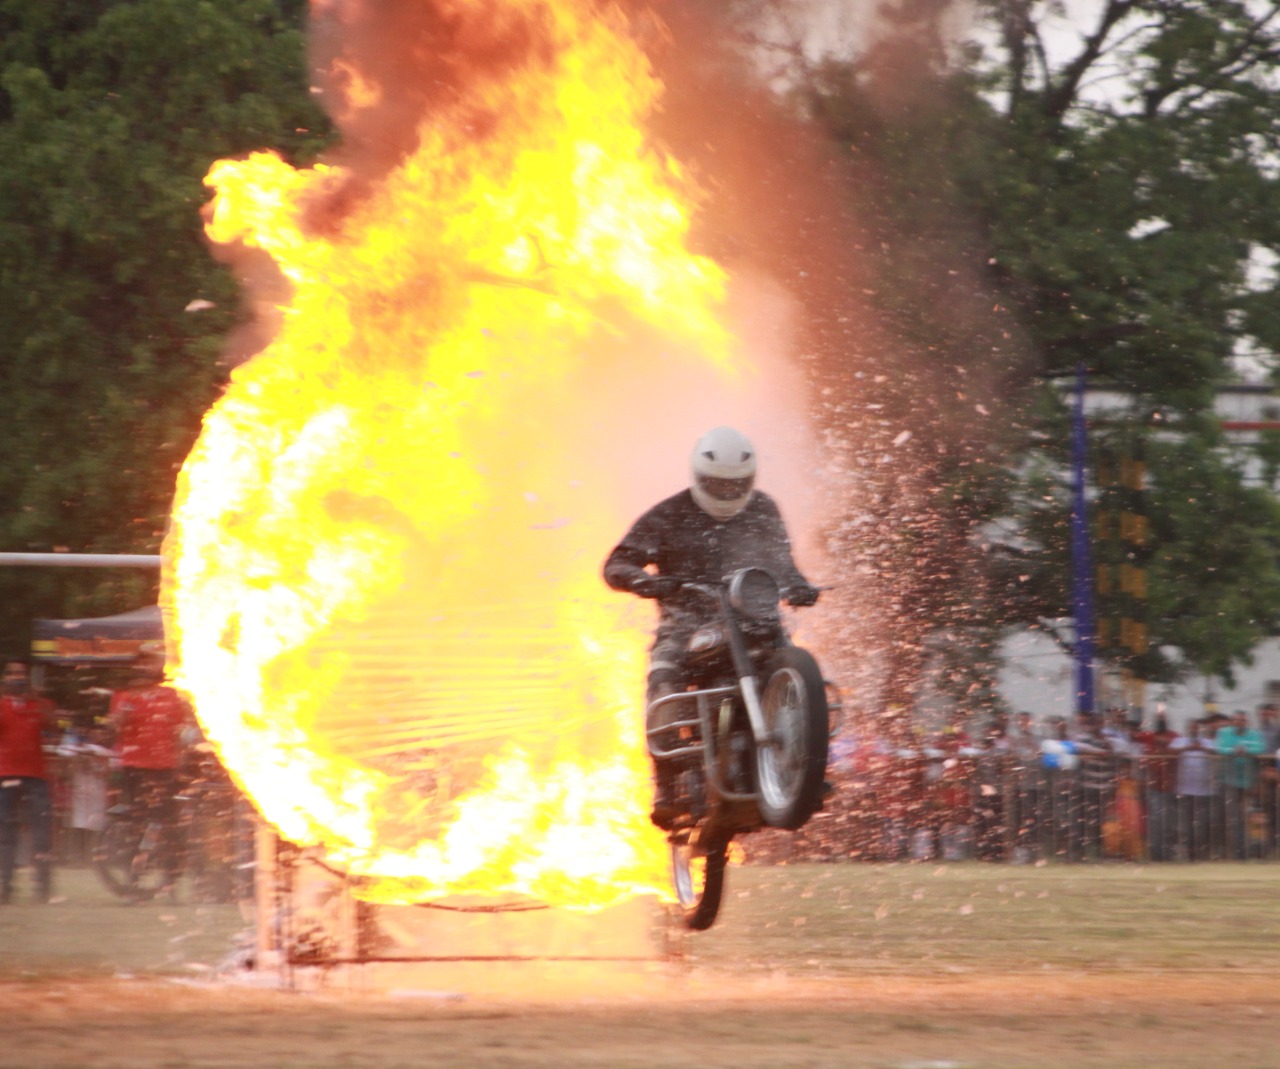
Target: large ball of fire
x=382, y=573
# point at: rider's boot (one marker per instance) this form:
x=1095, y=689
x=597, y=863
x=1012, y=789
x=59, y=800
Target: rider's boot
x=665, y=809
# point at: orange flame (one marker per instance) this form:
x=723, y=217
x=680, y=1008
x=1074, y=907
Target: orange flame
x=382, y=574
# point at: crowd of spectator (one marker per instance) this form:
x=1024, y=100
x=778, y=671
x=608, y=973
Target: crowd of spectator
x=1089, y=788
x=61, y=769
x=1096, y=786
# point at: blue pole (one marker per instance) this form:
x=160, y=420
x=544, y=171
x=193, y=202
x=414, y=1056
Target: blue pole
x=1081, y=563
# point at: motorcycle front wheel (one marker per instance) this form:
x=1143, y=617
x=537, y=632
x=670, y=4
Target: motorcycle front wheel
x=697, y=869
x=791, y=765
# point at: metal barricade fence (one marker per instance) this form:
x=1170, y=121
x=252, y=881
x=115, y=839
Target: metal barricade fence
x=989, y=806
x=999, y=807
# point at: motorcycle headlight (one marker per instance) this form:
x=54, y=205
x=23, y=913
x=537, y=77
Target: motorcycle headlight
x=705, y=638
x=754, y=593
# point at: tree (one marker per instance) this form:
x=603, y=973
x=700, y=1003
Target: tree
x=112, y=311
x=1133, y=199
x=1019, y=203
x=844, y=194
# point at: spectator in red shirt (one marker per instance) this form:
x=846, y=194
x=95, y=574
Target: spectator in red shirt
x=24, y=780
x=148, y=719
x=1159, y=774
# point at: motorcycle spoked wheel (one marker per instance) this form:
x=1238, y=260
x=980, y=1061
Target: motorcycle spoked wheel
x=790, y=770
x=121, y=865
x=697, y=870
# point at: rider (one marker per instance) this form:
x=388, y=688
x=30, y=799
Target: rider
x=150, y=719
x=719, y=524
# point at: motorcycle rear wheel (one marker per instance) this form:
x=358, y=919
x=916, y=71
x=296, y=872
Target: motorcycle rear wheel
x=791, y=768
x=697, y=870
x=123, y=864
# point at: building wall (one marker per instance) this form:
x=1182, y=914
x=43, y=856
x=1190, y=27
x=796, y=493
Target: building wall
x=1037, y=678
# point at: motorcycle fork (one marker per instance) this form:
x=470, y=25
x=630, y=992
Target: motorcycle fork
x=746, y=674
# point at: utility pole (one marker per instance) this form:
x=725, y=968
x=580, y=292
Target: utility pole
x=1124, y=541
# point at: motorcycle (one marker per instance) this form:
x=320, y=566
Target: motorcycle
x=746, y=741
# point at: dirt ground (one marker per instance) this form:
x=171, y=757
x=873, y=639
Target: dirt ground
x=806, y=968
x=1006, y=1021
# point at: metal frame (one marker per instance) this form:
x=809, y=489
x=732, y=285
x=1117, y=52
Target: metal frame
x=284, y=949
x=82, y=560
x=707, y=743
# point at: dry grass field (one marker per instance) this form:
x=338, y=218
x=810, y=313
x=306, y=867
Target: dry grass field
x=928, y=966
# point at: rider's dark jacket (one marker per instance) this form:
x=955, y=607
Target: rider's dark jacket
x=681, y=540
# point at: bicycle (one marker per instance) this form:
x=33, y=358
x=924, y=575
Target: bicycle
x=136, y=860
x=133, y=859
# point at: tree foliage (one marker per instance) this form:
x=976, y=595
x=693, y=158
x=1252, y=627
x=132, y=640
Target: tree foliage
x=972, y=217
x=1132, y=204
x=1033, y=194
x=110, y=115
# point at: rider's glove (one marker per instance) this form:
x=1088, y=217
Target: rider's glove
x=656, y=586
x=802, y=595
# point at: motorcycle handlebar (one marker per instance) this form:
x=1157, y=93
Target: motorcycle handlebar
x=714, y=589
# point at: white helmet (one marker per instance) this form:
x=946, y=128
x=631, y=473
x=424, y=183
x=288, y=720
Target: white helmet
x=724, y=470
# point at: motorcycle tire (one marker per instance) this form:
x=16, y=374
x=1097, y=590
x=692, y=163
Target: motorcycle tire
x=122, y=866
x=791, y=769
x=698, y=874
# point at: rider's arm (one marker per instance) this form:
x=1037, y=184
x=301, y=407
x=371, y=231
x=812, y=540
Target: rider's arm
x=777, y=544
x=624, y=568
x=628, y=562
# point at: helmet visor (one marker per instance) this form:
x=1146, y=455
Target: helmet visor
x=725, y=489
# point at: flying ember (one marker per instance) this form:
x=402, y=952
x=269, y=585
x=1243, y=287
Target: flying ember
x=382, y=574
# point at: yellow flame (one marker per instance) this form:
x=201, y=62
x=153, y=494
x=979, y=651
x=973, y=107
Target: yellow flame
x=382, y=572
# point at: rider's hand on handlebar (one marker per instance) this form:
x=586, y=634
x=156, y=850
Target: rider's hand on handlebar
x=803, y=595
x=657, y=586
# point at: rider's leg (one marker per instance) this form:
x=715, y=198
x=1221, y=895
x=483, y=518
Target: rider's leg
x=40, y=817
x=133, y=795
x=166, y=812
x=665, y=666
x=156, y=788
x=666, y=671
x=665, y=809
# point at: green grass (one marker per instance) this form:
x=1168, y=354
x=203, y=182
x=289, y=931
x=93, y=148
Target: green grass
x=916, y=919
x=86, y=931
x=810, y=919
x=814, y=966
